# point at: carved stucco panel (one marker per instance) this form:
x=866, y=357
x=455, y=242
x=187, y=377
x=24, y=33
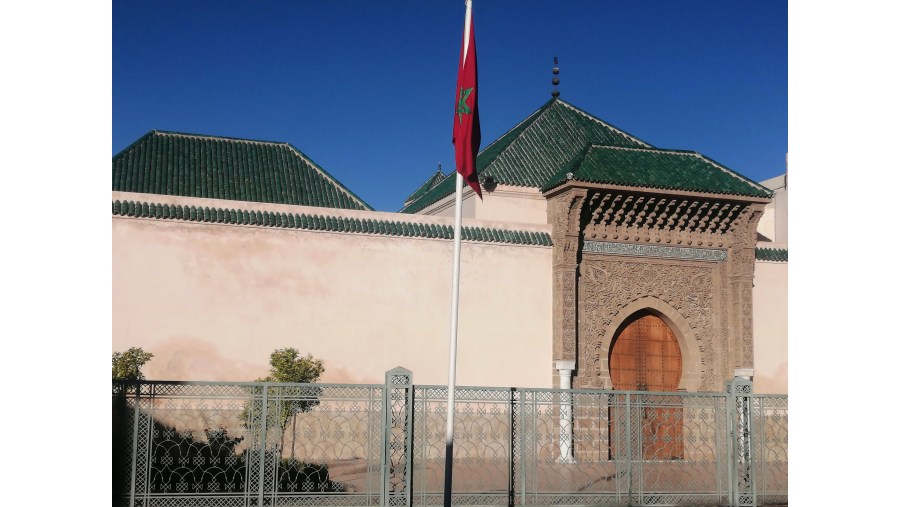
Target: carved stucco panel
x=747, y=324
x=608, y=285
x=742, y=262
x=568, y=323
x=724, y=360
x=565, y=212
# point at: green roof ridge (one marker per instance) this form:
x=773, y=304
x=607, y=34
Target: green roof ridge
x=524, y=155
x=229, y=168
x=605, y=123
x=330, y=177
x=314, y=222
x=593, y=165
x=428, y=185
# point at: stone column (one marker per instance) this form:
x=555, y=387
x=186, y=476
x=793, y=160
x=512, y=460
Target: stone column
x=566, y=440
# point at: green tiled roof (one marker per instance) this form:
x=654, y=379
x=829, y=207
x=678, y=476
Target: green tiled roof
x=653, y=168
x=772, y=254
x=189, y=165
x=436, y=178
x=324, y=223
x=530, y=153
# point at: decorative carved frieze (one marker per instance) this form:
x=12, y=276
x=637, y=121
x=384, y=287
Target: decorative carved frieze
x=662, y=219
x=671, y=252
x=609, y=285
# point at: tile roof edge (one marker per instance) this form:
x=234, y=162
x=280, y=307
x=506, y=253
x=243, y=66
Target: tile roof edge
x=428, y=181
x=419, y=204
x=554, y=181
x=604, y=123
x=221, y=138
x=558, y=178
x=289, y=146
x=329, y=177
x=735, y=174
x=312, y=221
x=416, y=206
x=537, y=112
x=138, y=141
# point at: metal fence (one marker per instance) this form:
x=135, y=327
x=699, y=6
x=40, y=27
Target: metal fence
x=196, y=444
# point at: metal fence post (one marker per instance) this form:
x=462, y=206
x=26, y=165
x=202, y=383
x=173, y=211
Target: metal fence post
x=628, y=447
x=134, y=442
x=396, y=464
x=741, y=474
x=262, y=444
x=409, y=436
x=511, y=500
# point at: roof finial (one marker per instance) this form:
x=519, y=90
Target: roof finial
x=555, y=79
x=439, y=168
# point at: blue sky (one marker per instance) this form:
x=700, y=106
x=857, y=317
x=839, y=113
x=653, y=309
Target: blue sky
x=366, y=89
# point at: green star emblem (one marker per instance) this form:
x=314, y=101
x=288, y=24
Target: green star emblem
x=461, y=106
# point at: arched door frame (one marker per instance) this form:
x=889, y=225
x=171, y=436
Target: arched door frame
x=690, y=350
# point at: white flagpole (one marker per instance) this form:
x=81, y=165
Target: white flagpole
x=454, y=306
x=454, y=318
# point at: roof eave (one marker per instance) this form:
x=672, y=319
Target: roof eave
x=652, y=190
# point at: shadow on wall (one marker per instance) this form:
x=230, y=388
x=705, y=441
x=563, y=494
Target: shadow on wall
x=776, y=383
x=192, y=359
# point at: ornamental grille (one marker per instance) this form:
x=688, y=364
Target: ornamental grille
x=254, y=444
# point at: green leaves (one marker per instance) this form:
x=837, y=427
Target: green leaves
x=286, y=365
x=127, y=365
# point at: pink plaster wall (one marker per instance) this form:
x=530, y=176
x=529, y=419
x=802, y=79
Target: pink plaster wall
x=507, y=204
x=770, y=328
x=212, y=301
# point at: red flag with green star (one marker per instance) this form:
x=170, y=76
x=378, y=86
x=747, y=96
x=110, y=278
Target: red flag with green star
x=466, y=127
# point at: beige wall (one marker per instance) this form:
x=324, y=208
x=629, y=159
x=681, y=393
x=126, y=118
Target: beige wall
x=774, y=222
x=770, y=325
x=507, y=204
x=211, y=301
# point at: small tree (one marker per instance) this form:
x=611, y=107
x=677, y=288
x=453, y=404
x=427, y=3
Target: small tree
x=127, y=365
x=287, y=365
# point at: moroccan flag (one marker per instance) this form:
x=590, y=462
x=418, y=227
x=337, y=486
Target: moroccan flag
x=466, y=128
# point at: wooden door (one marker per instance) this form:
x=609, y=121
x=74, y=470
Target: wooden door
x=645, y=356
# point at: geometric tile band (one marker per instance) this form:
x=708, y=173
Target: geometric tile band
x=669, y=252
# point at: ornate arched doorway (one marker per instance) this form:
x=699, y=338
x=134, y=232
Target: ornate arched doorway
x=645, y=356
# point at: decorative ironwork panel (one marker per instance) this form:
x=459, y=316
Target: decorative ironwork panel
x=243, y=444
x=680, y=447
x=549, y=476
x=629, y=448
x=770, y=448
x=481, y=448
x=199, y=444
